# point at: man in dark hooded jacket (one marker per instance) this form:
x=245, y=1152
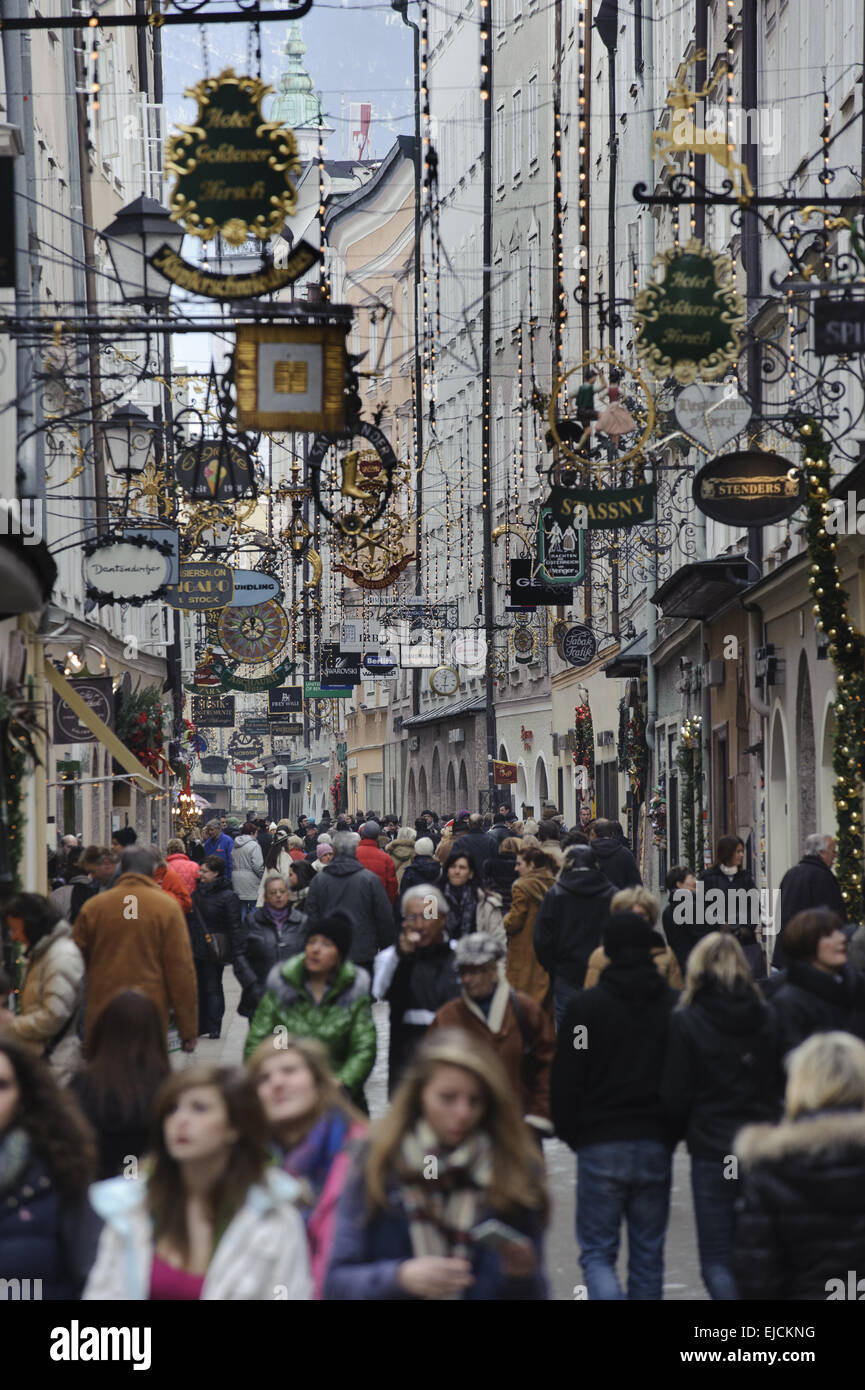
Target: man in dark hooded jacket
x=614, y=857
x=570, y=923
x=498, y=832
x=345, y=885
x=810, y=883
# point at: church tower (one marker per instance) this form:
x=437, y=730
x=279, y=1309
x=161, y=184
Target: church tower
x=296, y=104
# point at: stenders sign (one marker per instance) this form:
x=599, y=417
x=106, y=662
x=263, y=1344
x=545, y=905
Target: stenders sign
x=750, y=488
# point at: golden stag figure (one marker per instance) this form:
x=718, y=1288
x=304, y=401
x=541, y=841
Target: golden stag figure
x=684, y=134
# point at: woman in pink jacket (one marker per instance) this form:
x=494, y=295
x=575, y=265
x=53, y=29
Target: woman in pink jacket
x=314, y=1131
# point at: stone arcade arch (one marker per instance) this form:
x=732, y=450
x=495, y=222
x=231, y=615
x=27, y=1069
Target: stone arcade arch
x=413, y=809
x=806, y=759
x=463, y=788
x=781, y=854
x=450, y=805
x=422, y=791
x=542, y=791
x=436, y=781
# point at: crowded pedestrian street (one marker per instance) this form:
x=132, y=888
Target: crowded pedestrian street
x=432, y=670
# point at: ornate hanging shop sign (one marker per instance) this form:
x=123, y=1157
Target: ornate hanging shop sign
x=213, y=286
x=712, y=415
x=213, y=711
x=251, y=587
x=202, y=586
x=233, y=177
x=214, y=470
x=229, y=680
x=579, y=645
x=689, y=324
x=233, y=168
x=749, y=489
x=290, y=378
x=560, y=558
x=95, y=691
x=594, y=510
x=127, y=569
x=253, y=635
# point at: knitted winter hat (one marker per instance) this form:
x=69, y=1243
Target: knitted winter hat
x=479, y=948
x=323, y=847
x=371, y=830
x=338, y=928
x=407, y=834
x=424, y=846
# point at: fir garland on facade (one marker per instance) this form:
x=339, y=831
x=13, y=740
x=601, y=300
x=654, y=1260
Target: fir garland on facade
x=139, y=724
x=584, y=740
x=847, y=654
x=689, y=757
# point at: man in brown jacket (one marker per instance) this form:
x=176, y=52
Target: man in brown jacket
x=134, y=936
x=512, y=1024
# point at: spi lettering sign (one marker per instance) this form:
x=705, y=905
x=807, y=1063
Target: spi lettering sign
x=839, y=327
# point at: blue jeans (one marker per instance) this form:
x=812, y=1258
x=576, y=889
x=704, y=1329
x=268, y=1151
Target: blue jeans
x=563, y=993
x=630, y=1179
x=714, y=1199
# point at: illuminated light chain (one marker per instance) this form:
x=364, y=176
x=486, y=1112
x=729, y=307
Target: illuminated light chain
x=728, y=115
x=583, y=152
x=485, y=22
x=562, y=312
x=825, y=180
x=522, y=400
x=93, y=55
x=324, y=277
x=791, y=327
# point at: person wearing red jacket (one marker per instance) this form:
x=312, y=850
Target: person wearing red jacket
x=169, y=881
x=371, y=857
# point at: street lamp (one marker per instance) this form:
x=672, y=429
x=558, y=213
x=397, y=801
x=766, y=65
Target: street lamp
x=128, y=435
x=138, y=231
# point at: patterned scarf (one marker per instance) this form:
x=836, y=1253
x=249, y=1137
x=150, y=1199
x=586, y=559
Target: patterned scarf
x=311, y=1159
x=442, y=1189
x=462, y=906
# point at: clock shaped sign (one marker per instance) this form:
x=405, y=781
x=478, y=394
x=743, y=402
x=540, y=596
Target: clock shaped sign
x=444, y=680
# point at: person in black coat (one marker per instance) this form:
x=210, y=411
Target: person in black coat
x=681, y=935
x=570, y=923
x=721, y=1071
x=800, y=1229
x=820, y=991
x=475, y=843
x=810, y=883
x=274, y=932
x=48, y=1230
x=416, y=976
x=423, y=868
x=500, y=873
x=498, y=832
x=215, y=909
x=614, y=858
x=726, y=876
x=606, y=1104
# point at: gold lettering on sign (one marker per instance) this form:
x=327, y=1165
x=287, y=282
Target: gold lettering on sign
x=228, y=120
x=222, y=192
x=290, y=378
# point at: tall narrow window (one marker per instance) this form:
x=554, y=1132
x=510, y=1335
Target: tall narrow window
x=517, y=135
x=499, y=152
x=533, y=119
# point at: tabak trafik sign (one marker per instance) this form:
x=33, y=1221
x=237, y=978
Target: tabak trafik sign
x=234, y=174
x=689, y=324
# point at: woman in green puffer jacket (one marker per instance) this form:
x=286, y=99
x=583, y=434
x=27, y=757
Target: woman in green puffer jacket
x=322, y=994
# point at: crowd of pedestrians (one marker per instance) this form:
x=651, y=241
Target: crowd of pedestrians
x=533, y=988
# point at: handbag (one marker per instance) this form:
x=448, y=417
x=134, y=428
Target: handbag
x=218, y=943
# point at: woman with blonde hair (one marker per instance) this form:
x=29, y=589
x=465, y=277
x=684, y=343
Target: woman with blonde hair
x=721, y=1072
x=447, y=1200
x=646, y=904
x=801, y=1223
x=210, y=1220
x=314, y=1131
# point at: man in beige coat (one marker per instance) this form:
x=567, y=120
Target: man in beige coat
x=134, y=936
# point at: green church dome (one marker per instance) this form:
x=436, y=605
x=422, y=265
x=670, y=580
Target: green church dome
x=295, y=103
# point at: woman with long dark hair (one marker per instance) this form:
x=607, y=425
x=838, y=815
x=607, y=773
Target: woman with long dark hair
x=471, y=908
x=820, y=990
x=314, y=1130
x=53, y=988
x=448, y=1199
x=216, y=926
x=48, y=1232
x=724, y=905
x=211, y=1220
x=127, y=1062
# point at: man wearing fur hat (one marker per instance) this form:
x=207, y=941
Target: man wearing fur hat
x=512, y=1024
